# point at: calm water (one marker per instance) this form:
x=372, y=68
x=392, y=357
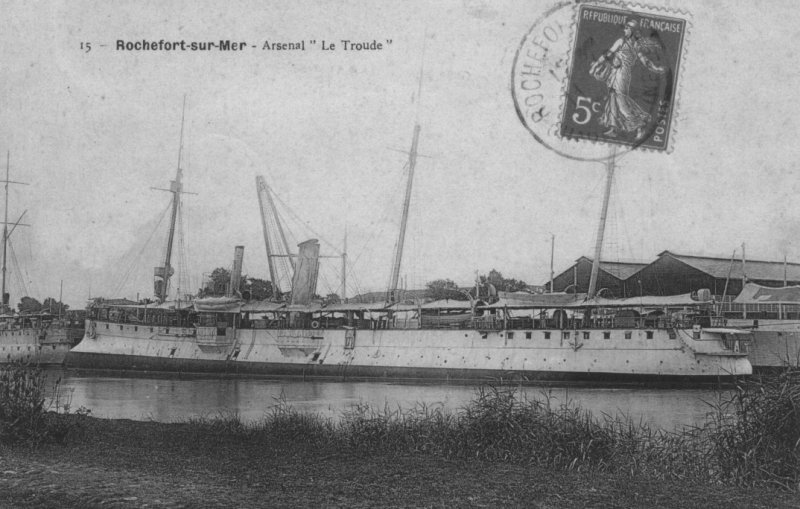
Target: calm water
x=173, y=399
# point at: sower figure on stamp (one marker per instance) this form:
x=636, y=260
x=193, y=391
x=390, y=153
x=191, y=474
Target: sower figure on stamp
x=615, y=68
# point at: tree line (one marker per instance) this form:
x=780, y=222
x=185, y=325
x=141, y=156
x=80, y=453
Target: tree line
x=50, y=305
x=250, y=288
x=439, y=289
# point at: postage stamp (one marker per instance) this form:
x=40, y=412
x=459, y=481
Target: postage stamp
x=624, y=71
x=593, y=75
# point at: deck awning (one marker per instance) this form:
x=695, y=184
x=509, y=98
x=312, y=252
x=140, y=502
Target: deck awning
x=727, y=330
x=173, y=305
x=562, y=300
x=650, y=301
x=757, y=294
x=218, y=305
x=262, y=306
x=538, y=300
x=447, y=304
x=303, y=308
x=356, y=306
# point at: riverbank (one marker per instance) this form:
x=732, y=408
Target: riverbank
x=122, y=463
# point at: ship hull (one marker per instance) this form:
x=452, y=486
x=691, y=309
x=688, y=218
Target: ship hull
x=31, y=346
x=115, y=363
x=418, y=354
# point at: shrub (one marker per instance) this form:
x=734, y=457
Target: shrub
x=25, y=414
x=22, y=403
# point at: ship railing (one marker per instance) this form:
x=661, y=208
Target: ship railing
x=764, y=311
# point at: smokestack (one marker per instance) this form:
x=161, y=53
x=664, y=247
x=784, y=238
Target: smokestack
x=304, y=282
x=236, y=273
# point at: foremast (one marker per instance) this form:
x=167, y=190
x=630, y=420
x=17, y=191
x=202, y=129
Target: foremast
x=7, y=233
x=163, y=274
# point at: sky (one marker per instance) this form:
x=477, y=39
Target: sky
x=91, y=132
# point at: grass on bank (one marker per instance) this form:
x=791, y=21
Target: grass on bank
x=753, y=438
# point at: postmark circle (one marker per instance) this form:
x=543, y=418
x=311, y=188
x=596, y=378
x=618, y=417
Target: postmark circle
x=593, y=81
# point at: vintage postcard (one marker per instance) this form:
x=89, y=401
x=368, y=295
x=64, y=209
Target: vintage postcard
x=314, y=254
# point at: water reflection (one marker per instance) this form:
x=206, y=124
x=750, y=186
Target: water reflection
x=177, y=399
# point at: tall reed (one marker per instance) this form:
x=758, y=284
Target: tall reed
x=28, y=413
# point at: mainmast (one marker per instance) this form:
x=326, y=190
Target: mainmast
x=398, y=258
x=392, y=296
x=6, y=233
x=163, y=273
x=598, y=248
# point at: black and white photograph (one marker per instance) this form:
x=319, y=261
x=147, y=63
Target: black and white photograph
x=466, y=253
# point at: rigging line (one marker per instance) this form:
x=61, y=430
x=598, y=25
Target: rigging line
x=326, y=284
x=136, y=256
x=391, y=270
x=366, y=243
x=421, y=72
x=357, y=287
x=35, y=286
x=320, y=237
x=353, y=283
x=184, y=256
x=389, y=207
x=17, y=272
x=187, y=272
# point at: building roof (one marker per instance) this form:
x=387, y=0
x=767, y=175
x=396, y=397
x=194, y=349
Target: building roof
x=619, y=269
x=622, y=270
x=756, y=269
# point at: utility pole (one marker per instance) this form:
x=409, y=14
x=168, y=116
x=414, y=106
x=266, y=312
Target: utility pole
x=344, y=268
x=552, y=254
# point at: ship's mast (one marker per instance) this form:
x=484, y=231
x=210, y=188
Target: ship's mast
x=175, y=188
x=6, y=233
x=263, y=195
x=163, y=273
x=268, y=209
x=412, y=163
x=598, y=248
x=398, y=258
